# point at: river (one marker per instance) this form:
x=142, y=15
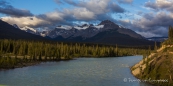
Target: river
x=79, y=72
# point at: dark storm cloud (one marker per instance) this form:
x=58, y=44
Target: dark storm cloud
x=6, y=8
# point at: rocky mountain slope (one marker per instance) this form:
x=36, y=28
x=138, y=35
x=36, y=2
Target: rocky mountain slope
x=88, y=31
x=8, y=31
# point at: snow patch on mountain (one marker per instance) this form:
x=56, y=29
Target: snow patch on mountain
x=81, y=28
x=43, y=35
x=120, y=26
x=99, y=26
x=28, y=28
x=15, y=25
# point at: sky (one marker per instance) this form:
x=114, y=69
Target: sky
x=147, y=17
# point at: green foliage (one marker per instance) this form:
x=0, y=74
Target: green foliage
x=169, y=41
x=46, y=51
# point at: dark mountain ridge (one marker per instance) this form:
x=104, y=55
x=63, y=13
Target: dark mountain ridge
x=8, y=31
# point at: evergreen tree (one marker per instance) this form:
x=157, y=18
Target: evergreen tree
x=116, y=50
x=170, y=33
x=155, y=46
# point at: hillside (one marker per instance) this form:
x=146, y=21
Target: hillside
x=157, y=68
x=8, y=31
x=114, y=37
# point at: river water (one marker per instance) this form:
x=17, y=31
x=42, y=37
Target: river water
x=78, y=72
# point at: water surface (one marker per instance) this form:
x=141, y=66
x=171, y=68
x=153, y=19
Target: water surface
x=79, y=72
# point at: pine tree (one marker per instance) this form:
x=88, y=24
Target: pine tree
x=116, y=50
x=149, y=50
x=170, y=33
x=155, y=46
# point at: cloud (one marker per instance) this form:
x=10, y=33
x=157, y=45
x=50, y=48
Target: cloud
x=97, y=6
x=71, y=2
x=125, y=1
x=88, y=11
x=52, y=16
x=126, y=23
x=83, y=11
x=25, y=21
x=58, y=1
x=158, y=19
x=6, y=8
x=148, y=34
x=155, y=23
x=160, y=5
x=116, y=8
x=83, y=14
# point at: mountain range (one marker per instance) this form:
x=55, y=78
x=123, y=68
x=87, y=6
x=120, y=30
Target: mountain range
x=107, y=32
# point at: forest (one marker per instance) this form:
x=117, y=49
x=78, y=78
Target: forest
x=16, y=53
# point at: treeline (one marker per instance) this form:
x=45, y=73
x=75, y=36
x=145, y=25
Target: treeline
x=13, y=52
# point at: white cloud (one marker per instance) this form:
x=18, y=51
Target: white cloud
x=148, y=34
x=96, y=6
x=54, y=16
x=25, y=21
x=160, y=5
x=83, y=14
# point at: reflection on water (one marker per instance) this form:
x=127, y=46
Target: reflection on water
x=79, y=72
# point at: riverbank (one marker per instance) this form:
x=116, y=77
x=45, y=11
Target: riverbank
x=157, y=68
x=19, y=65
x=19, y=62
